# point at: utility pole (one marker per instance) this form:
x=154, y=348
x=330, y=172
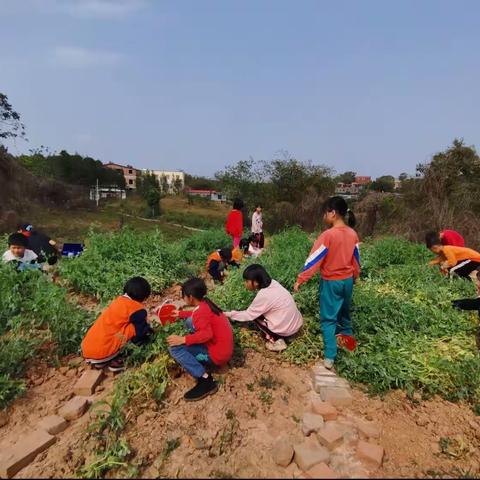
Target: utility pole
x=97, y=194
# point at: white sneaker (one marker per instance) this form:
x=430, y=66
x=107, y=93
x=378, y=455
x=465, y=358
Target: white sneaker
x=327, y=363
x=277, y=346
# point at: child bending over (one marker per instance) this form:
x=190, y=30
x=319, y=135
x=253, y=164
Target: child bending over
x=124, y=320
x=273, y=310
x=461, y=261
x=210, y=340
x=219, y=260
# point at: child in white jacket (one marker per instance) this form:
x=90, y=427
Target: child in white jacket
x=273, y=309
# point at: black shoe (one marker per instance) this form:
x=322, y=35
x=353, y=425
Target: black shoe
x=204, y=387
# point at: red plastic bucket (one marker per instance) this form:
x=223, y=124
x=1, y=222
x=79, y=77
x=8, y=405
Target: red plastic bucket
x=166, y=314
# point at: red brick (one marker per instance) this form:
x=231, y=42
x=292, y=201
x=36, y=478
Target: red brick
x=370, y=453
x=369, y=429
x=330, y=437
x=53, y=424
x=325, y=409
x=13, y=459
x=87, y=383
x=307, y=456
x=74, y=408
x=322, y=470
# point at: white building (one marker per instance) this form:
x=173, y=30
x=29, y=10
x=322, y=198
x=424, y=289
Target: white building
x=107, y=192
x=212, y=195
x=170, y=182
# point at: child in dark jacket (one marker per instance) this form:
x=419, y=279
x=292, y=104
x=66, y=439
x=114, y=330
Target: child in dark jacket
x=210, y=340
x=219, y=260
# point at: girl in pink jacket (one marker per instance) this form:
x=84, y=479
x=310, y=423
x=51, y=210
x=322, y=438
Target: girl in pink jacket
x=273, y=310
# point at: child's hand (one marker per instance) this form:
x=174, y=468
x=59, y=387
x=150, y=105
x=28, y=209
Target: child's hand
x=296, y=287
x=175, y=340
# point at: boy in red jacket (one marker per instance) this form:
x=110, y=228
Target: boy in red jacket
x=210, y=340
x=234, y=224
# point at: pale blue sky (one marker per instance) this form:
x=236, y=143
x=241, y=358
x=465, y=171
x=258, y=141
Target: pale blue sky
x=369, y=86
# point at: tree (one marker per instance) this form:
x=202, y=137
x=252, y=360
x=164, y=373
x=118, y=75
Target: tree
x=292, y=178
x=178, y=185
x=346, y=177
x=403, y=176
x=10, y=124
x=385, y=184
x=164, y=185
x=152, y=197
x=201, y=183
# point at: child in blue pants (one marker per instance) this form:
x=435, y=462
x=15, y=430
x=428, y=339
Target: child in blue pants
x=335, y=254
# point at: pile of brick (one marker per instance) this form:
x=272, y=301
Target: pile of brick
x=336, y=445
x=43, y=435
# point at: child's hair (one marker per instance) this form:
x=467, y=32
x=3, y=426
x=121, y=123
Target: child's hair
x=18, y=240
x=238, y=204
x=432, y=238
x=258, y=205
x=257, y=274
x=339, y=205
x=137, y=288
x=244, y=244
x=196, y=288
x=226, y=254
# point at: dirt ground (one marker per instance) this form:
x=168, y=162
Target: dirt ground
x=231, y=433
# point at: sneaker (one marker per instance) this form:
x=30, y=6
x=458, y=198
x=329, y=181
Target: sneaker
x=277, y=346
x=204, y=387
x=116, y=365
x=99, y=366
x=328, y=363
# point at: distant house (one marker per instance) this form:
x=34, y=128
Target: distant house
x=210, y=194
x=170, y=181
x=130, y=173
x=107, y=192
x=363, y=180
x=348, y=189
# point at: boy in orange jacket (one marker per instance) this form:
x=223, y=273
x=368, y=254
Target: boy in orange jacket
x=124, y=320
x=454, y=260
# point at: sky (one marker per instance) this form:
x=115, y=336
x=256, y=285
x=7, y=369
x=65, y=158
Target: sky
x=371, y=86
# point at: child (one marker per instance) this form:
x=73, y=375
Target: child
x=234, y=224
x=273, y=309
x=257, y=226
x=19, y=253
x=249, y=247
x=39, y=243
x=210, y=340
x=336, y=255
x=219, y=260
x=459, y=260
x=123, y=321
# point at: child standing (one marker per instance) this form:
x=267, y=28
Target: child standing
x=335, y=254
x=257, y=226
x=234, y=224
x=210, y=339
x=19, y=253
x=124, y=320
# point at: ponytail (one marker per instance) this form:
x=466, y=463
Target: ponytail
x=350, y=218
x=339, y=205
x=197, y=288
x=213, y=307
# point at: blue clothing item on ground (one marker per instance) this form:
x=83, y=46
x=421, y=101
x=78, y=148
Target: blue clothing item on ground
x=335, y=301
x=191, y=357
